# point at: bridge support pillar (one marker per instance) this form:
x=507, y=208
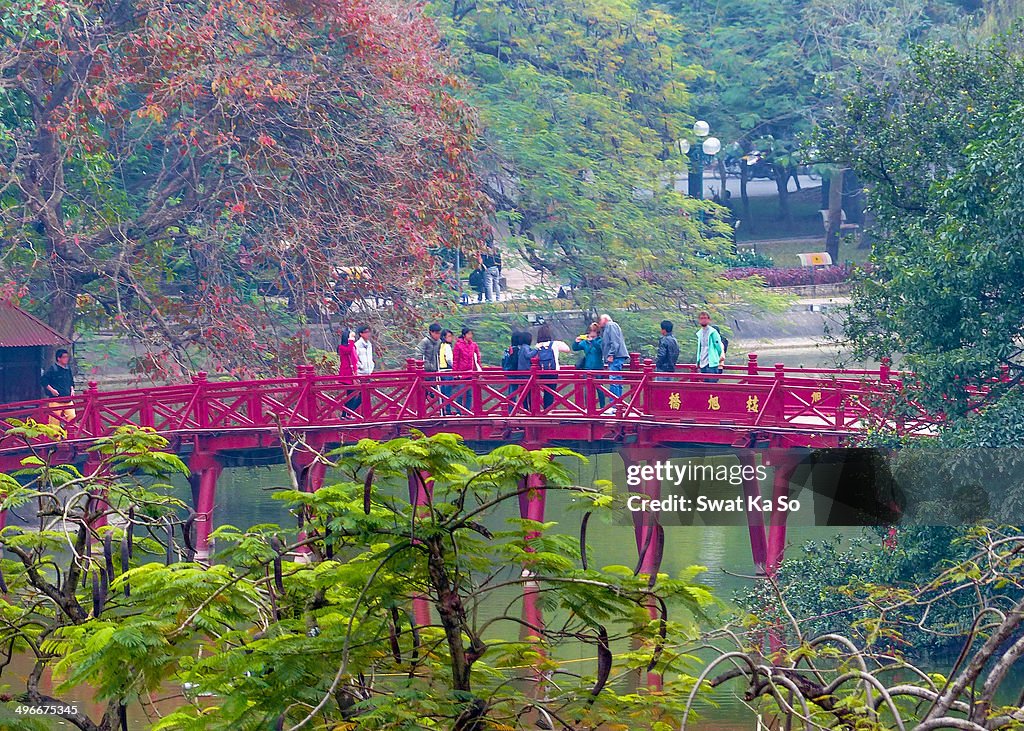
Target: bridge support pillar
x=309, y=471
x=784, y=467
x=531, y=507
x=755, y=518
x=205, y=469
x=421, y=493
x=649, y=535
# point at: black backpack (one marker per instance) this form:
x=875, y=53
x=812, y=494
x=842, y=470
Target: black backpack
x=725, y=340
x=510, y=360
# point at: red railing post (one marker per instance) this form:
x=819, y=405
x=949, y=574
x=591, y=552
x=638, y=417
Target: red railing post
x=883, y=370
x=146, y=410
x=92, y=422
x=476, y=392
x=536, y=404
x=307, y=375
x=199, y=383
x=421, y=386
x=634, y=361
x=647, y=380
x=841, y=409
x=751, y=364
x=780, y=397
x=1004, y=373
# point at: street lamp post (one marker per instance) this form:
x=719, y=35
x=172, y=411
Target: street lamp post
x=700, y=156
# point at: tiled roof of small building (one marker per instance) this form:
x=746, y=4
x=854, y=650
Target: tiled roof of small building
x=18, y=329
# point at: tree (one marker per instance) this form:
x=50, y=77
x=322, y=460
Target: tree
x=329, y=641
x=831, y=680
x=938, y=150
x=165, y=165
x=761, y=88
x=582, y=104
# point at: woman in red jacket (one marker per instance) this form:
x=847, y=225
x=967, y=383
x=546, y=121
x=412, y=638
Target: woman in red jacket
x=348, y=365
x=466, y=358
x=348, y=360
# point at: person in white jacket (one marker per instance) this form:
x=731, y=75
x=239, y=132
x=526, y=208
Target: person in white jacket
x=546, y=339
x=364, y=351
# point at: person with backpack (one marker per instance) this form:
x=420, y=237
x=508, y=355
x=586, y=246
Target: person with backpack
x=510, y=362
x=546, y=352
x=590, y=345
x=476, y=282
x=668, y=351
x=710, y=350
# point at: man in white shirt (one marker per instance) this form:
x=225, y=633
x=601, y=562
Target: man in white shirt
x=364, y=351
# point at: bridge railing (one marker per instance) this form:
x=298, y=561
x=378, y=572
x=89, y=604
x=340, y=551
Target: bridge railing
x=749, y=395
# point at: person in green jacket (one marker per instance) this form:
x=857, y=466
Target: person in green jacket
x=710, y=353
x=590, y=345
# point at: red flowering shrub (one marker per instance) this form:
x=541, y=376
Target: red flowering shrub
x=792, y=276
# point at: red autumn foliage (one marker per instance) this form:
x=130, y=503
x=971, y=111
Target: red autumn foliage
x=214, y=148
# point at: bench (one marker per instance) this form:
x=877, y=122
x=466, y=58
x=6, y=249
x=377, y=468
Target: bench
x=816, y=259
x=844, y=227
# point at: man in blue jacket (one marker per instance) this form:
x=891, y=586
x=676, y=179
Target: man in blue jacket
x=710, y=353
x=613, y=353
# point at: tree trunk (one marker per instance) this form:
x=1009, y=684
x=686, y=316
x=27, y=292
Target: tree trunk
x=867, y=219
x=835, y=214
x=744, y=198
x=796, y=178
x=723, y=175
x=782, y=185
x=452, y=614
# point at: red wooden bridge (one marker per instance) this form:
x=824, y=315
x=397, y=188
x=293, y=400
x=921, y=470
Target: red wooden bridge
x=229, y=423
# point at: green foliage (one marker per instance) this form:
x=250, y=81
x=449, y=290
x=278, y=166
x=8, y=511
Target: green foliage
x=835, y=585
x=319, y=623
x=939, y=151
x=582, y=103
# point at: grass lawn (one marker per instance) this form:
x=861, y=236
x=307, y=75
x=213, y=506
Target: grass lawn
x=784, y=251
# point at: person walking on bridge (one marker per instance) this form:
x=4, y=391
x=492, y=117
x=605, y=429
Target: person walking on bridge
x=590, y=345
x=59, y=383
x=710, y=352
x=429, y=351
x=364, y=351
x=466, y=357
x=613, y=353
x=668, y=350
x=348, y=366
